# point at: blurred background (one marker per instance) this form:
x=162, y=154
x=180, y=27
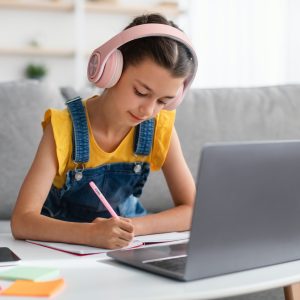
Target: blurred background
x=239, y=42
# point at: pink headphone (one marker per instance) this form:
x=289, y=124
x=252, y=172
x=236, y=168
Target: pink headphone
x=106, y=62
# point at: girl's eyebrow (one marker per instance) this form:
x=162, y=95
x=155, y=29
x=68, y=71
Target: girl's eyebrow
x=144, y=85
x=150, y=90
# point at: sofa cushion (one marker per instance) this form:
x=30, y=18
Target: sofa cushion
x=22, y=105
x=228, y=114
x=206, y=115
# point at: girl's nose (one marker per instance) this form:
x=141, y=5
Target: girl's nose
x=148, y=107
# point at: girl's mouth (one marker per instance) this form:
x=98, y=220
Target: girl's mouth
x=138, y=119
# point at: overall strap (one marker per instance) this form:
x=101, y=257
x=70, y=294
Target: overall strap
x=81, y=147
x=143, y=138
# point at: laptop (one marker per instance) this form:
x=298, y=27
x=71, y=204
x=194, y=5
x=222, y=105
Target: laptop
x=246, y=214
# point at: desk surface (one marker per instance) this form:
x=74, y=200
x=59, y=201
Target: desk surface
x=97, y=276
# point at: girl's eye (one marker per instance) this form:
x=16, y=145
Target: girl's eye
x=139, y=94
x=160, y=102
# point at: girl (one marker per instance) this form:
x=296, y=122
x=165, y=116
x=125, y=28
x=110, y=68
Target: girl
x=114, y=139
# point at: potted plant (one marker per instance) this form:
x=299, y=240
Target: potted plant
x=35, y=71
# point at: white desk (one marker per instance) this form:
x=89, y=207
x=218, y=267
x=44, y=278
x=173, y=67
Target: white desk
x=85, y=278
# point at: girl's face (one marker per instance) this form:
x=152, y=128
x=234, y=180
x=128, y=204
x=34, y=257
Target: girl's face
x=142, y=91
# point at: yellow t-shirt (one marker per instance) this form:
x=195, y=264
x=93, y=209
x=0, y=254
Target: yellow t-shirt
x=62, y=129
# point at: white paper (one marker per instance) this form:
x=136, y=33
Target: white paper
x=137, y=242
x=80, y=249
x=164, y=237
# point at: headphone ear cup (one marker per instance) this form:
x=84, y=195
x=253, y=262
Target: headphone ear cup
x=112, y=70
x=177, y=100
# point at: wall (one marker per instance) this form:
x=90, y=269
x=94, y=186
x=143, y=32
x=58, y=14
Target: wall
x=49, y=29
x=246, y=42
x=77, y=32
x=292, y=55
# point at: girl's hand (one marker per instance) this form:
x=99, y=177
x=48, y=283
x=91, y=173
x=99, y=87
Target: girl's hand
x=111, y=233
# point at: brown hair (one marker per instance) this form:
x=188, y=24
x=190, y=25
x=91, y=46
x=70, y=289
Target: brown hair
x=165, y=51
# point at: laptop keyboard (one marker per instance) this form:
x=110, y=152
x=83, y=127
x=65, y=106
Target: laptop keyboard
x=176, y=264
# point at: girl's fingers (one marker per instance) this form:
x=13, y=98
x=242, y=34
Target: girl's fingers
x=125, y=219
x=126, y=225
x=122, y=243
x=126, y=236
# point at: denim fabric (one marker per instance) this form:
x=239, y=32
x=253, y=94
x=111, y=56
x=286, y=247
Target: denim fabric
x=80, y=131
x=144, y=137
x=132, y=207
x=120, y=183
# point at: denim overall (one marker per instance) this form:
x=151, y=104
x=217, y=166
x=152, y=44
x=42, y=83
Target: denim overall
x=120, y=183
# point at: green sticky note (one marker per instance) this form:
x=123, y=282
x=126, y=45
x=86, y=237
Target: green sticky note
x=29, y=273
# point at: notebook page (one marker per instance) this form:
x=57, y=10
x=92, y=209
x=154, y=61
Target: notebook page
x=80, y=249
x=164, y=237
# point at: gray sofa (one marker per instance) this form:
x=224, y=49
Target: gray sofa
x=230, y=114
x=206, y=115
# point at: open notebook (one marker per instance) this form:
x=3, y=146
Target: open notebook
x=137, y=242
x=80, y=249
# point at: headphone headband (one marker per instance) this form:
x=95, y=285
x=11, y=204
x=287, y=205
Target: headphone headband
x=100, y=58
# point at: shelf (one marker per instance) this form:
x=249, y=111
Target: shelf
x=131, y=9
x=99, y=7
x=37, y=5
x=30, y=51
x=80, y=11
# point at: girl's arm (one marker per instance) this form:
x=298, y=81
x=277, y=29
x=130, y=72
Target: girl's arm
x=182, y=188
x=28, y=223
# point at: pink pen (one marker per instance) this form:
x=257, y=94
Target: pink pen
x=103, y=200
